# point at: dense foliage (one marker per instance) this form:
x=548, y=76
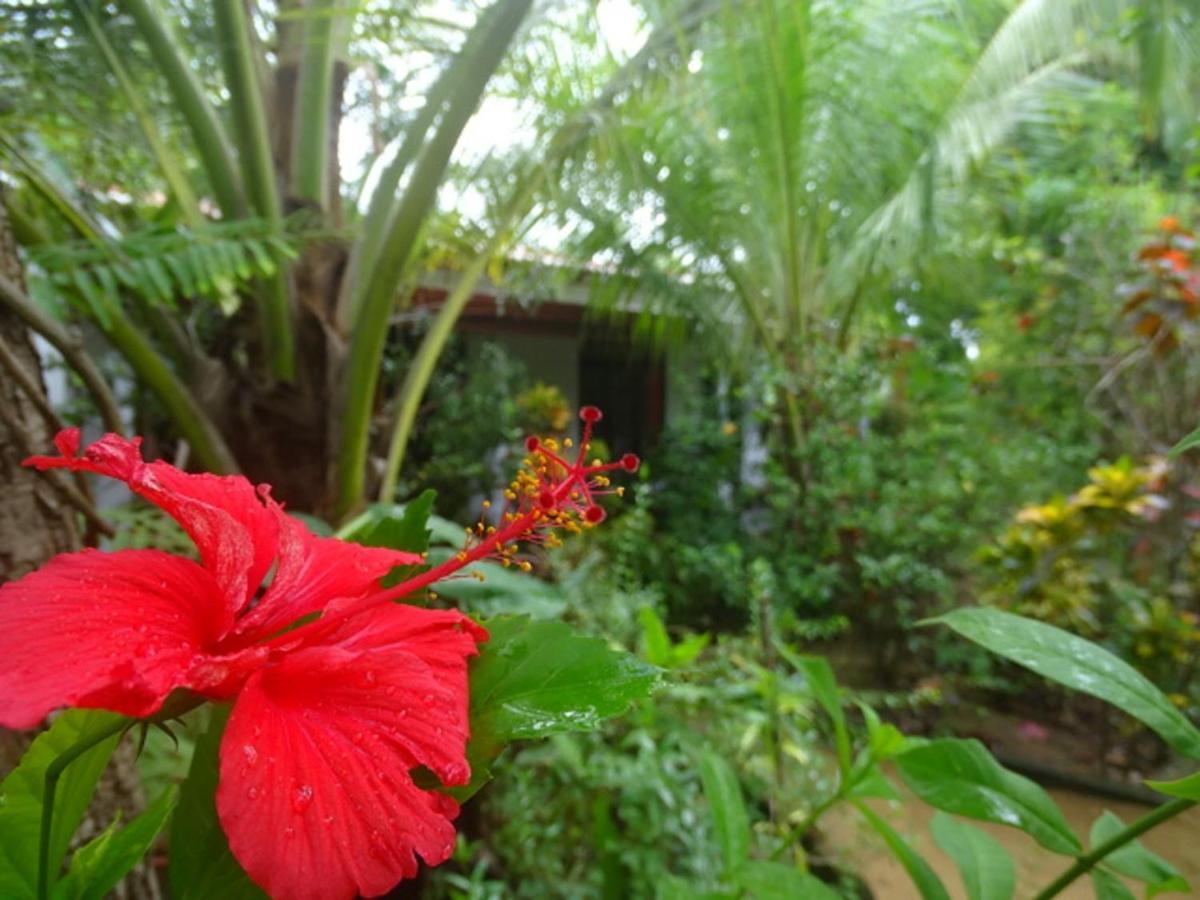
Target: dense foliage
x=922, y=277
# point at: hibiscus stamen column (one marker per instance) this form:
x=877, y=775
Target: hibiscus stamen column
x=549, y=493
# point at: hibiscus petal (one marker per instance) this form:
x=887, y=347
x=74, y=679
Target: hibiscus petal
x=223, y=514
x=113, y=631
x=312, y=572
x=316, y=795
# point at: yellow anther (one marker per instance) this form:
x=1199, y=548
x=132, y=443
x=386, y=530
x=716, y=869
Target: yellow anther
x=526, y=567
x=487, y=504
x=568, y=443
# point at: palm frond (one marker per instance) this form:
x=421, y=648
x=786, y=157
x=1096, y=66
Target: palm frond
x=159, y=266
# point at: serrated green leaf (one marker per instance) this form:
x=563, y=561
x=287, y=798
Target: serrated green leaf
x=986, y=868
x=1078, y=664
x=1133, y=860
x=1188, y=788
x=1109, y=887
x=534, y=679
x=97, y=866
x=776, y=881
x=22, y=791
x=927, y=883
x=400, y=527
x=730, y=819
x=201, y=864
x=961, y=777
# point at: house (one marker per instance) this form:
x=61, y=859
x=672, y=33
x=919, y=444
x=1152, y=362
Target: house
x=591, y=360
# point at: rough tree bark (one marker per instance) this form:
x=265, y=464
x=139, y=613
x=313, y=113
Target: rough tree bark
x=36, y=522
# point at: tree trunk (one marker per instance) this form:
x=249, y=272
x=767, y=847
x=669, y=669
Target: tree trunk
x=37, y=522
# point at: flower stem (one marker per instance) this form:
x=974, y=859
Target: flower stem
x=1088, y=861
x=53, y=773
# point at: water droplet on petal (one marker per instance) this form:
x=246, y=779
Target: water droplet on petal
x=370, y=677
x=252, y=792
x=250, y=753
x=302, y=799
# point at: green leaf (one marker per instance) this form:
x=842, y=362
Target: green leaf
x=672, y=887
x=22, y=791
x=730, y=819
x=1188, y=787
x=928, y=884
x=777, y=881
x=401, y=528
x=178, y=265
x=1109, y=887
x=500, y=590
x=102, y=862
x=656, y=645
x=534, y=679
x=961, y=777
x=986, y=868
x=160, y=279
x=1078, y=664
x=442, y=531
x=1186, y=443
x=685, y=651
x=883, y=739
x=823, y=685
x=92, y=296
x=201, y=864
x=1133, y=860
x=873, y=783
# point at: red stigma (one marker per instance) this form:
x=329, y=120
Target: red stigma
x=546, y=500
x=532, y=444
x=630, y=462
x=594, y=515
x=591, y=414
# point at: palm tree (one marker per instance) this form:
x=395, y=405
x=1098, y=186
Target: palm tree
x=241, y=134
x=815, y=147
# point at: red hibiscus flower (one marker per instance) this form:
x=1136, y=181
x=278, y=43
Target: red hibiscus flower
x=338, y=692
